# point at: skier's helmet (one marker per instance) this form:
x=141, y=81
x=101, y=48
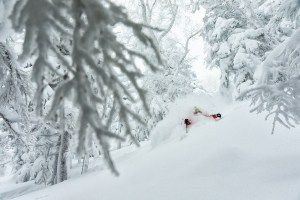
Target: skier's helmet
x=219, y=115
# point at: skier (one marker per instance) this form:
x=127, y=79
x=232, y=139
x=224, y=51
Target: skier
x=197, y=111
x=217, y=116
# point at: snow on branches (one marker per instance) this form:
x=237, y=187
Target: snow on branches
x=278, y=84
x=95, y=50
x=13, y=105
x=236, y=43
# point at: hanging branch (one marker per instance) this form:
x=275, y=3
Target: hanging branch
x=90, y=25
x=17, y=136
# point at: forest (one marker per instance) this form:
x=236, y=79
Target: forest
x=83, y=83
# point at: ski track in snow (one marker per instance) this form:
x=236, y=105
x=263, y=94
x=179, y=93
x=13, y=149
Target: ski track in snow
x=235, y=158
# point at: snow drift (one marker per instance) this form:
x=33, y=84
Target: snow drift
x=232, y=159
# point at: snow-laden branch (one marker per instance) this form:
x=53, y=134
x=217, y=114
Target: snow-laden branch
x=278, y=84
x=89, y=24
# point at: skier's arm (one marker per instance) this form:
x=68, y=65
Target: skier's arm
x=205, y=114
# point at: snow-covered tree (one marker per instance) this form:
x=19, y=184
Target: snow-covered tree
x=89, y=24
x=236, y=42
x=45, y=151
x=175, y=78
x=247, y=41
x=5, y=150
x=5, y=10
x=281, y=18
x=277, y=87
x=14, y=96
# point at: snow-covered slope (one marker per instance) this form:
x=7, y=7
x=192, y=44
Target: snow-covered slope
x=235, y=158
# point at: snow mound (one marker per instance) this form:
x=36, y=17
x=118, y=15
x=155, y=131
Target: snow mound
x=231, y=159
x=172, y=126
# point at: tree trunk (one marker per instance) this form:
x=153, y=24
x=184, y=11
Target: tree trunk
x=53, y=179
x=85, y=164
x=62, y=164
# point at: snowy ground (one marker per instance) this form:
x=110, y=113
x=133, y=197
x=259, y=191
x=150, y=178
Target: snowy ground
x=235, y=158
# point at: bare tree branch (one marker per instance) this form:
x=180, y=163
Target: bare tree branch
x=150, y=9
x=174, y=13
x=186, y=48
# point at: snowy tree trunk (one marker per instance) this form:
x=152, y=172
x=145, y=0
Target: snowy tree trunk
x=119, y=145
x=62, y=164
x=53, y=179
x=85, y=164
x=70, y=162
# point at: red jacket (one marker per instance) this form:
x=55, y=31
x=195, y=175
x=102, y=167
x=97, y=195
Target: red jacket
x=214, y=116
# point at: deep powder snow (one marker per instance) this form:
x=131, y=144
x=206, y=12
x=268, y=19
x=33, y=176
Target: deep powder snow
x=232, y=159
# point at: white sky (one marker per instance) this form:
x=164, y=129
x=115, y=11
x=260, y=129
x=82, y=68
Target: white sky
x=208, y=78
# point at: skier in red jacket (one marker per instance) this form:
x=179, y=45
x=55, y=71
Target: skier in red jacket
x=197, y=111
x=214, y=116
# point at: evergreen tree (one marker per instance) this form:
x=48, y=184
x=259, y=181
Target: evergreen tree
x=14, y=97
x=281, y=18
x=277, y=78
x=277, y=87
x=236, y=42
